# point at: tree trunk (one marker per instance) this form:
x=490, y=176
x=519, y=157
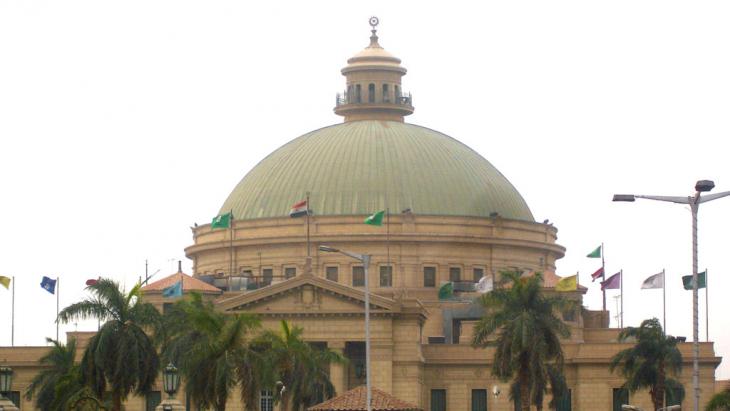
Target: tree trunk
x=116, y=401
x=658, y=390
x=524, y=389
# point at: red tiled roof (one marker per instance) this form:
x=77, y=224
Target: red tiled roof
x=354, y=400
x=188, y=284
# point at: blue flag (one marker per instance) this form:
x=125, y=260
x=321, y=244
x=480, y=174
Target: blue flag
x=49, y=284
x=174, y=290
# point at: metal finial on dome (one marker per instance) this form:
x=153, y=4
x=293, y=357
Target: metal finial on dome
x=373, y=22
x=374, y=37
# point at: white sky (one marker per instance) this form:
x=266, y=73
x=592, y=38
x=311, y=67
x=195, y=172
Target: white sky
x=122, y=123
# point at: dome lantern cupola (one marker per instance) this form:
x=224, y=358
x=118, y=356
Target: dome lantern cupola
x=374, y=85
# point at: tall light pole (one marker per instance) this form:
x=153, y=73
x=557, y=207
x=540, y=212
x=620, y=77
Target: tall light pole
x=694, y=202
x=365, y=260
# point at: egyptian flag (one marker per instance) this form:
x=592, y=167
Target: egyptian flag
x=299, y=209
x=598, y=274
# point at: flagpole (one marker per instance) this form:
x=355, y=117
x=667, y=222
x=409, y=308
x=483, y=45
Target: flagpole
x=603, y=274
x=621, y=278
x=12, y=316
x=664, y=301
x=707, y=306
x=230, y=229
x=387, y=242
x=309, y=255
x=58, y=295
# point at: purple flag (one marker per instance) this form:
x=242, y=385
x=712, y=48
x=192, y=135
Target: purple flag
x=613, y=282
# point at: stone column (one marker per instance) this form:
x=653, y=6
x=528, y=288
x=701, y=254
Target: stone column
x=338, y=372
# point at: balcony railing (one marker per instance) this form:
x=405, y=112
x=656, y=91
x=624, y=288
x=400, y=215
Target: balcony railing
x=404, y=99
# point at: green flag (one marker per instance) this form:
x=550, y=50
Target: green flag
x=376, y=218
x=595, y=253
x=446, y=291
x=222, y=221
x=701, y=277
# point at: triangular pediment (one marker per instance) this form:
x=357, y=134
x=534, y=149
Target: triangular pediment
x=307, y=295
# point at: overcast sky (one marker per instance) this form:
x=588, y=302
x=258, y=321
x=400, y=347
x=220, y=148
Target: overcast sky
x=123, y=123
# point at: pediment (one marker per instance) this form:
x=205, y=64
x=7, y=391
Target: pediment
x=307, y=295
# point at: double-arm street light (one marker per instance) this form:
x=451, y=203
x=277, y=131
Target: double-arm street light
x=694, y=202
x=365, y=260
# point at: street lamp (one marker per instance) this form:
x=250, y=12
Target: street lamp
x=694, y=202
x=365, y=260
x=6, y=382
x=170, y=379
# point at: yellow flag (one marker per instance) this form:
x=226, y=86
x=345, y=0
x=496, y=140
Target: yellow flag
x=567, y=284
x=5, y=281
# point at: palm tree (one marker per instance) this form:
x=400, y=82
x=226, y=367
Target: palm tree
x=301, y=367
x=54, y=385
x=648, y=363
x=212, y=352
x=719, y=401
x=527, y=342
x=121, y=356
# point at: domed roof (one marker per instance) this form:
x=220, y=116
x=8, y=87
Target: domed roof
x=359, y=167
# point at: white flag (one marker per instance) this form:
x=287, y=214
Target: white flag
x=485, y=284
x=655, y=281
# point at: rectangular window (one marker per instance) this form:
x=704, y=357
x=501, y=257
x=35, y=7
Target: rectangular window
x=566, y=402
x=332, y=273
x=478, y=400
x=569, y=314
x=429, y=276
x=478, y=274
x=268, y=276
x=358, y=276
x=14, y=396
x=438, y=400
x=455, y=274
x=152, y=400
x=290, y=272
x=620, y=397
x=386, y=276
x=266, y=401
x=673, y=396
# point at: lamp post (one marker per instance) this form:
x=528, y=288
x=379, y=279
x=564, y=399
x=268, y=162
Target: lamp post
x=170, y=383
x=6, y=382
x=365, y=260
x=694, y=202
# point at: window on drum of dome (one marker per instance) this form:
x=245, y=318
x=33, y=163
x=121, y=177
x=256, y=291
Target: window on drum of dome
x=454, y=274
x=371, y=93
x=332, y=273
x=358, y=276
x=478, y=273
x=429, y=276
x=386, y=98
x=386, y=276
x=290, y=272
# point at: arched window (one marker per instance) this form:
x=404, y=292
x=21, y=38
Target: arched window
x=358, y=94
x=371, y=93
x=386, y=97
x=349, y=97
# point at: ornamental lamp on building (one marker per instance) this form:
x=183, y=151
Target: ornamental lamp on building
x=6, y=380
x=170, y=379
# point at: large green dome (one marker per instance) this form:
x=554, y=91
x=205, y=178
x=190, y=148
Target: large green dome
x=359, y=167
